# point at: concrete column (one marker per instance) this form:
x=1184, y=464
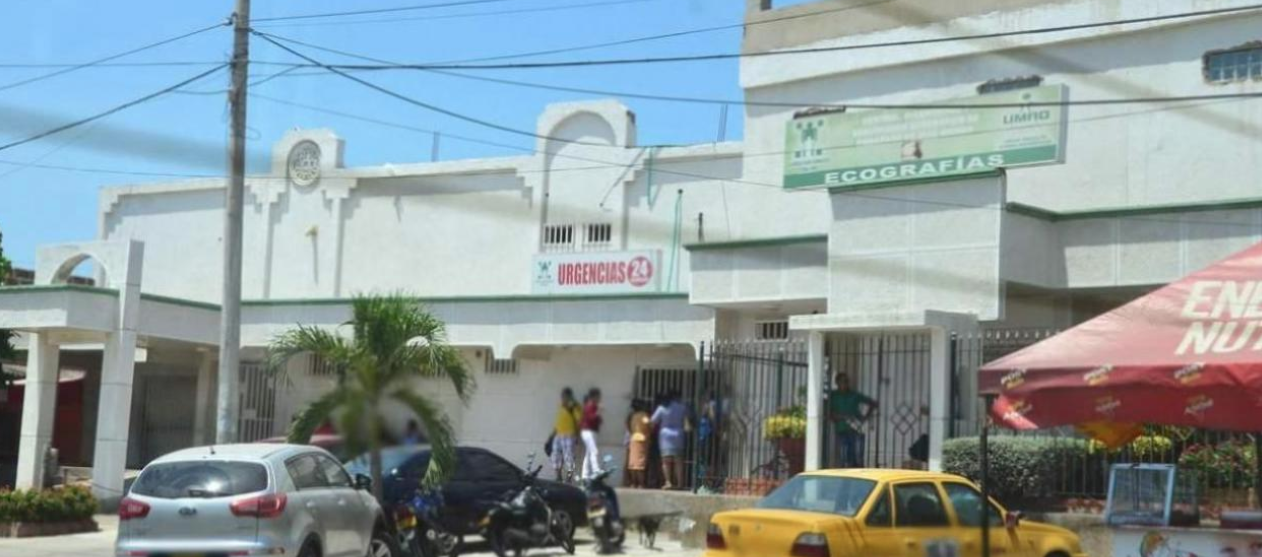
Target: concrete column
x=113, y=421
x=814, y=400
x=939, y=393
x=118, y=370
x=39, y=407
x=203, y=428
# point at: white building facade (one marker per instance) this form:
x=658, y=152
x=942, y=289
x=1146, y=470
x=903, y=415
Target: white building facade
x=596, y=258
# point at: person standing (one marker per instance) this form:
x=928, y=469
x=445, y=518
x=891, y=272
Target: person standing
x=413, y=435
x=672, y=416
x=589, y=426
x=847, y=410
x=639, y=428
x=565, y=433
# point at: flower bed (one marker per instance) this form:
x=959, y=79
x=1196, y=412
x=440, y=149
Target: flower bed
x=50, y=512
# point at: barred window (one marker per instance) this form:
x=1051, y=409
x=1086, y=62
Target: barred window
x=319, y=367
x=558, y=237
x=1242, y=63
x=501, y=366
x=598, y=236
x=771, y=330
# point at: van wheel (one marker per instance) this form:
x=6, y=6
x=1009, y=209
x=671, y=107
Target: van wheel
x=383, y=545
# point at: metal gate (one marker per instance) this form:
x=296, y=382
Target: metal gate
x=893, y=370
x=258, y=403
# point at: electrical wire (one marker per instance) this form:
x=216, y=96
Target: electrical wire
x=114, y=110
x=815, y=50
x=564, y=7
x=378, y=10
x=671, y=35
x=428, y=106
x=385, y=64
x=94, y=170
x=99, y=61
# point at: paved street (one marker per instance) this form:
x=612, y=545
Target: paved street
x=100, y=544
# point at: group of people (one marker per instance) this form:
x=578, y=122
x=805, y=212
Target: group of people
x=663, y=431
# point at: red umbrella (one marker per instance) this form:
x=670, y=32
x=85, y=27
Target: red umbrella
x=1188, y=354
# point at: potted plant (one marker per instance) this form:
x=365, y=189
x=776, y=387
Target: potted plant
x=787, y=430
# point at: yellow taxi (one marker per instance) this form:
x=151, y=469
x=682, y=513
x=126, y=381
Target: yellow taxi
x=880, y=513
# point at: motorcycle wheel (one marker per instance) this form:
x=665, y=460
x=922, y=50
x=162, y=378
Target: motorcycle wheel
x=563, y=530
x=498, y=543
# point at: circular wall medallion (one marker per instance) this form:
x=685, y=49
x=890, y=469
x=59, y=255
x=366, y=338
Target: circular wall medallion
x=304, y=163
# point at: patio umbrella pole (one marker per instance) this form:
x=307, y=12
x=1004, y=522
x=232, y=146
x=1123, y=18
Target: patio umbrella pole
x=1257, y=470
x=983, y=447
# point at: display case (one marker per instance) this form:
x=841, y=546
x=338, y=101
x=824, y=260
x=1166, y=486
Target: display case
x=1152, y=495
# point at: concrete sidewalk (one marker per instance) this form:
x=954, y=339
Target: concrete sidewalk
x=101, y=544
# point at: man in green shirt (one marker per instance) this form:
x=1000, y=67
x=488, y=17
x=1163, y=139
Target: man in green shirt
x=847, y=410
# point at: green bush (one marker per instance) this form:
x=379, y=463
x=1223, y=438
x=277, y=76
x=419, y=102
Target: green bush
x=50, y=505
x=1021, y=468
x=1145, y=448
x=1229, y=464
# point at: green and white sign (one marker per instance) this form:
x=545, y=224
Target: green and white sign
x=879, y=146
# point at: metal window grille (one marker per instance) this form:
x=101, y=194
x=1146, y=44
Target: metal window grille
x=558, y=237
x=1009, y=84
x=1234, y=65
x=598, y=236
x=771, y=330
x=501, y=366
x=258, y=403
x=318, y=367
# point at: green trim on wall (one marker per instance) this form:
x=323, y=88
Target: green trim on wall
x=27, y=288
x=482, y=299
x=1054, y=216
x=758, y=242
x=179, y=302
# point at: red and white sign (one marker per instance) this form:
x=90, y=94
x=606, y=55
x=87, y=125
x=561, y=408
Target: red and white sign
x=621, y=272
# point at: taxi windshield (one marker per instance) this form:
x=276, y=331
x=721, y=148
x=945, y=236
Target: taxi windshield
x=821, y=494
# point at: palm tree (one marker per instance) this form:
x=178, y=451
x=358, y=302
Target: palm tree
x=393, y=341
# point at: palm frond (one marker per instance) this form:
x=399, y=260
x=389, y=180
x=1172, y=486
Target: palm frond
x=442, y=440
x=351, y=423
x=306, y=422
x=303, y=339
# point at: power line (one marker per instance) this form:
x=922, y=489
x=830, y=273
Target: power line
x=671, y=35
x=779, y=104
x=94, y=170
x=564, y=7
x=378, y=10
x=154, y=64
x=422, y=104
x=114, y=110
x=816, y=50
x=99, y=61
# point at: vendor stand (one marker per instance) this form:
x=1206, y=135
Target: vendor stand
x=1187, y=354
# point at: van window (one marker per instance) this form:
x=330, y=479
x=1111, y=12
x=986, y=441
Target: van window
x=202, y=478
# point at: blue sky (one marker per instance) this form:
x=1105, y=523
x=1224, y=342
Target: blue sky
x=185, y=134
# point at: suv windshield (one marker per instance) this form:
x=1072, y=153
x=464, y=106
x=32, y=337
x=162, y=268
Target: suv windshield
x=203, y=478
x=821, y=494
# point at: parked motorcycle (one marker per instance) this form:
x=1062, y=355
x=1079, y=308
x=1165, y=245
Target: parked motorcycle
x=420, y=532
x=603, y=512
x=524, y=520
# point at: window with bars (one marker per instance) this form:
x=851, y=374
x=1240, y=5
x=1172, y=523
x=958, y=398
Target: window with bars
x=501, y=366
x=1242, y=63
x=771, y=330
x=1009, y=84
x=318, y=367
x=598, y=236
x=558, y=237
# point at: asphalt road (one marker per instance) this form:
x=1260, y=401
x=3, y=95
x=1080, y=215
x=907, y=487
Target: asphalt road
x=101, y=544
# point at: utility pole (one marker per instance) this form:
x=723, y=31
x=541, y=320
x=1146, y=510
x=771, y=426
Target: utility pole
x=230, y=310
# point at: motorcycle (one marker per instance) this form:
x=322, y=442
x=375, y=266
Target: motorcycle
x=603, y=512
x=525, y=520
x=420, y=532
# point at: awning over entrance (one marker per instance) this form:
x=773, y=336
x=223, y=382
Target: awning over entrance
x=1189, y=353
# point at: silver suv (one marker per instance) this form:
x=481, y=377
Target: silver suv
x=256, y=499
